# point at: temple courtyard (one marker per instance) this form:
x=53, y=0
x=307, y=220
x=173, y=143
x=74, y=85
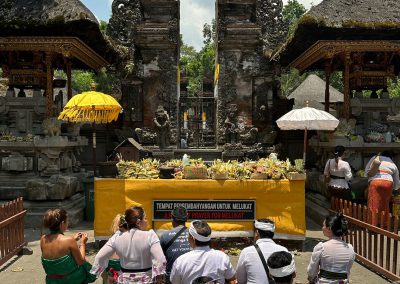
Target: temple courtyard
x=28, y=269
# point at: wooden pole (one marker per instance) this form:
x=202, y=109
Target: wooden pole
x=305, y=147
x=346, y=85
x=69, y=79
x=327, y=78
x=49, y=85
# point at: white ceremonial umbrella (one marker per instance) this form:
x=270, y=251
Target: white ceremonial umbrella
x=307, y=118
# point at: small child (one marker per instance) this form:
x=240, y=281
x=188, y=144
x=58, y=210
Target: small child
x=110, y=276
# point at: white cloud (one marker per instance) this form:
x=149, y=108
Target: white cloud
x=195, y=13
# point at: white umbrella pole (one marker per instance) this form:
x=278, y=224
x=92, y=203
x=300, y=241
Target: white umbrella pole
x=305, y=147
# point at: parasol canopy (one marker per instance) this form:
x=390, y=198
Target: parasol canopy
x=307, y=118
x=91, y=107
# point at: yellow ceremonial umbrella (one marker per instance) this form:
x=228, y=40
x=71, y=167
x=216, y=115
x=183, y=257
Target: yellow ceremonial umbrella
x=91, y=107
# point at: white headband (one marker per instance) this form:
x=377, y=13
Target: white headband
x=264, y=226
x=283, y=271
x=197, y=236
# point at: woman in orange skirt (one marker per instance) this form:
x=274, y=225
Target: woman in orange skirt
x=381, y=184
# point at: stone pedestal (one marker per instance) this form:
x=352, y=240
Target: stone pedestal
x=74, y=206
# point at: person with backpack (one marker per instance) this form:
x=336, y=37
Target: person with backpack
x=175, y=242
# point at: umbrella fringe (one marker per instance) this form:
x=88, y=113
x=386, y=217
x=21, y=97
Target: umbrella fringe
x=89, y=115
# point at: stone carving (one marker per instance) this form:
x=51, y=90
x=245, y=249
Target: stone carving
x=51, y=127
x=162, y=126
x=146, y=136
x=126, y=15
x=345, y=127
x=249, y=137
x=231, y=130
x=273, y=29
x=58, y=187
x=17, y=163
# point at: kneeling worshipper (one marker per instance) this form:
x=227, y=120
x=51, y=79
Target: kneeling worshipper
x=62, y=259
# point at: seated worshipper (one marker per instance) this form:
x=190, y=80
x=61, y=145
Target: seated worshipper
x=62, y=259
x=139, y=251
x=252, y=264
x=337, y=173
x=175, y=242
x=114, y=266
x=331, y=261
x=201, y=260
x=281, y=267
x=383, y=179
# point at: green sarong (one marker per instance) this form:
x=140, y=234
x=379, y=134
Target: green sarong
x=65, y=270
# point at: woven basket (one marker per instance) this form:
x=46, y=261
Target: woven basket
x=219, y=176
x=259, y=176
x=296, y=176
x=191, y=172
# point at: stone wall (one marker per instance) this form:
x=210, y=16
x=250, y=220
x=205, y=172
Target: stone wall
x=247, y=32
x=150, y=31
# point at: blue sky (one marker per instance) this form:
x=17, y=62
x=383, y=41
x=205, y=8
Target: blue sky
x=194, y=13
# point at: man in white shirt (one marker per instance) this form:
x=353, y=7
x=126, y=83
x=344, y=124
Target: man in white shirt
x=202, y=260
x=250, y=267
x=282, y=267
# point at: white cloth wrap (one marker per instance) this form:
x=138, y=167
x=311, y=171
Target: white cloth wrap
x=194, y=234
x=283, y=271
x=264, y=226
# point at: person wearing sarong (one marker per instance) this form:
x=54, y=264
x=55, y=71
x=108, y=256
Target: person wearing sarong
x=110, y=276
x=338, y=172
x=62, y=259
x=140, y=253
x=332, y=260
x=381, y=183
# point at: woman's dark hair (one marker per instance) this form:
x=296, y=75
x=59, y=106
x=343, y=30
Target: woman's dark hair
x=339, y=150
x=266, y=234
x=53, y=218
x=133, y=216
x=337, y=223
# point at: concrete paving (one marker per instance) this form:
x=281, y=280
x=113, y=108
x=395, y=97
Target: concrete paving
x=32, y=271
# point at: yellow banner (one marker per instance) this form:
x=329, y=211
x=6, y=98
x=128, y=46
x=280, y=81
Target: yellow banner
x=282, y=201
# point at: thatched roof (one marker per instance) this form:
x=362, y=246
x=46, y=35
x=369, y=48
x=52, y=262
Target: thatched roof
x=344, y=20
x=54, y=18
x=313, y=89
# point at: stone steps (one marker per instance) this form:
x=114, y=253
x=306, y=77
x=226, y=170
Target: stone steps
x=317, y=207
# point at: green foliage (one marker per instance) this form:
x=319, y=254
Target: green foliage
x=199, y=64
x=394, y=88
x=291, y=13
x=82, y=80
x=103, y=26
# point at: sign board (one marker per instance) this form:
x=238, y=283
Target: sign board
x=229, y=210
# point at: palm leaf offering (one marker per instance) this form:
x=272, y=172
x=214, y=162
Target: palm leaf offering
x=264, y=168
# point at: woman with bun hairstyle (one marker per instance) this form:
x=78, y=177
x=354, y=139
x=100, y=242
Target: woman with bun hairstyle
x=337, y=174
x=141, y=257
x=62, y=259
x=331, y=261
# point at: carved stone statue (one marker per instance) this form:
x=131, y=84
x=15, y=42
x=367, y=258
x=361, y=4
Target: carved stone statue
x=51, y=127
x=231, y=129
x=162, y=127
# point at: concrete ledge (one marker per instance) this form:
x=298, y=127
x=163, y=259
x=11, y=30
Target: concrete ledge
x=317, y=207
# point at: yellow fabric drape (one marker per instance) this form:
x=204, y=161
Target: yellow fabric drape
x=282, y=201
